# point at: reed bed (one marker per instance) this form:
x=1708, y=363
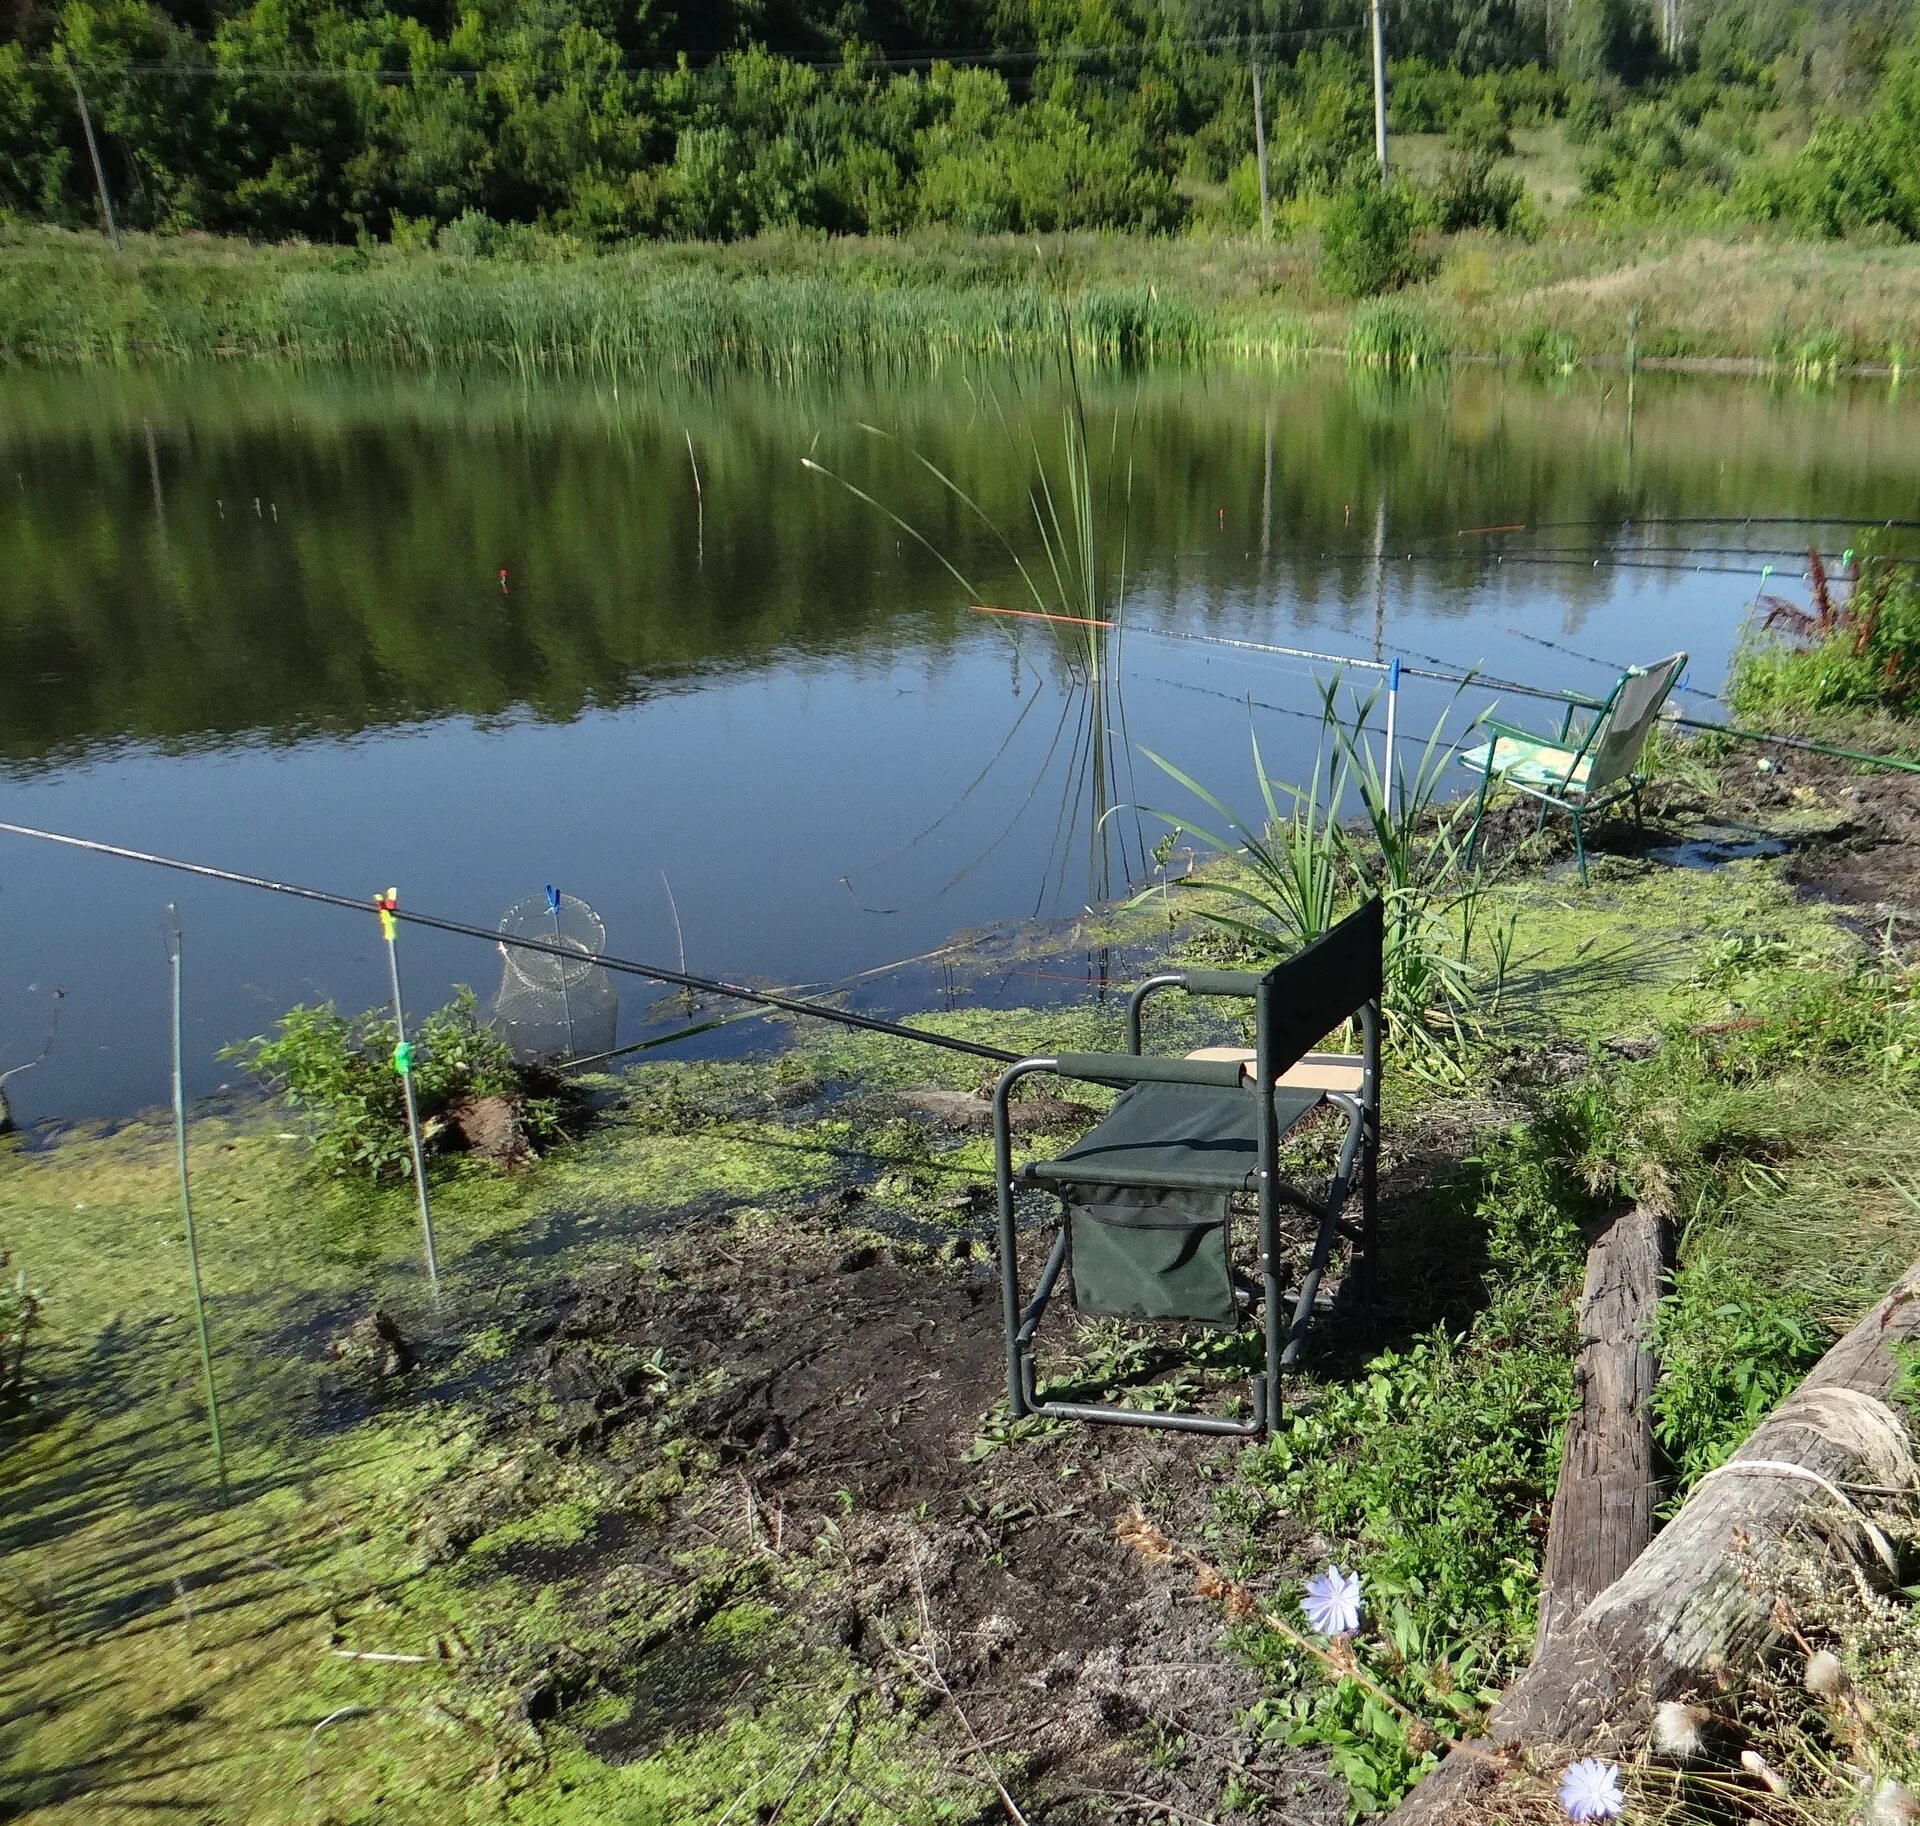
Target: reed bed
x=607, y=315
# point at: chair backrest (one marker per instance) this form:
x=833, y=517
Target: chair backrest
x=1620, y=731
x=1307, y=997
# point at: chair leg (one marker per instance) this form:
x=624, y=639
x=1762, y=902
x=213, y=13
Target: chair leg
x=1009, y=1257
x=1580, y=849
x=1324, y=1241
x=1540, y=823
x=1370, y=1206
x=1479, y=812
x=1639, y=821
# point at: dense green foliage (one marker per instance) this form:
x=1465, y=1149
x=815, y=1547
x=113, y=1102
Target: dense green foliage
x=1366, y=241
x=523, y=130
x=340, y=1070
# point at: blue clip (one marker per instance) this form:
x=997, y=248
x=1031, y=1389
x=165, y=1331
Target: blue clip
x=1393, y=676
x=553, y=898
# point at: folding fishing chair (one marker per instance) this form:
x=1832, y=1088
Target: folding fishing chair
x=1146, y=1197
x=1583, y=774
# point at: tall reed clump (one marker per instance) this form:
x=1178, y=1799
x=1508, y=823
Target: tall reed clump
x=1855, y=645
x=1073, y=580
x=613, y=315
x=1336, y=841
x=1390, y=334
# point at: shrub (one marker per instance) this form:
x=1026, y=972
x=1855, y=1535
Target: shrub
x=1591, y=107
x=339, y=1069
x=1473, y=192
x=1366, y=241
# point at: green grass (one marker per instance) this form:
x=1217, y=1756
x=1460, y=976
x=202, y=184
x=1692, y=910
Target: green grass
x=797, y=305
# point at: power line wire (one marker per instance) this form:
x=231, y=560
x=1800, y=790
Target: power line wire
x=916, y=61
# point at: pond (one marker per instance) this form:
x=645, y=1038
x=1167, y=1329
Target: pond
x=472, y=635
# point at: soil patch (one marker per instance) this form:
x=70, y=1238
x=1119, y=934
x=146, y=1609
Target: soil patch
x=977, y=1579
x=1871, y=861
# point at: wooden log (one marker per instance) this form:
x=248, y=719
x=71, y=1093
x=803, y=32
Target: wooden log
x=1688, y=1610
x=1603, y=1505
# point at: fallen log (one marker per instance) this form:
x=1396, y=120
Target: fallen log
x=1687, y=1612
x=1603, y=1505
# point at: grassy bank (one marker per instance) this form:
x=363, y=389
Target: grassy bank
x=790, y=305
x=696, y=1497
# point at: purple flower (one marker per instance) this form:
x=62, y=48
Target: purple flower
x=1332, y=1602
x=1590, y=1790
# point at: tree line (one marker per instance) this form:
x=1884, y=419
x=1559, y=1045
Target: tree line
x=496, y=126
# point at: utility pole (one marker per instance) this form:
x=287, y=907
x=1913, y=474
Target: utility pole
x=93, y=152
x=1379, y=90
x=1260, y=151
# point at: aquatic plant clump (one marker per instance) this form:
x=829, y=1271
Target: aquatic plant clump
x=340, y=1070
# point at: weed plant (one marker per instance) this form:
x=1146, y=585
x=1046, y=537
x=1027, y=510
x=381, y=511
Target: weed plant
x=1335, y=842
x=19, y=1313
x=1854, y=646
x=339, y=1070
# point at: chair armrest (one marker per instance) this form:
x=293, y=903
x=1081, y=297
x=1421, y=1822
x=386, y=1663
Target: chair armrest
x=1220, y=982
x=1514, y=733
x=1131, y=1068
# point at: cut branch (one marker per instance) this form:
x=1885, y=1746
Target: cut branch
x=1603, y=1508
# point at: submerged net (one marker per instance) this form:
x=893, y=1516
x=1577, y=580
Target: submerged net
x=549, y=1007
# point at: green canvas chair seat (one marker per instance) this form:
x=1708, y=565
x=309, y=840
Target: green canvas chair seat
x=1174, y=1135
x=1147, y=1195
x=1582, y=774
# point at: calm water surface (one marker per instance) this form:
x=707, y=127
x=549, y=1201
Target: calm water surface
x=471, y=637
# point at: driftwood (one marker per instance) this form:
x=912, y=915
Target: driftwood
x=1603, y=1507
x=1688, y=1611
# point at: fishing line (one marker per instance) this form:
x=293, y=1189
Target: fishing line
x=1593, y=659
x=927, y=830
x=657, y=973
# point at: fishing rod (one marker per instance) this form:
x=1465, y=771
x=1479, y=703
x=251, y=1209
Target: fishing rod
x=1579, y=700
x=1541, y=526
x=1309, y=653
x=1780, y=554
x=657, y=973
x=1668, y=566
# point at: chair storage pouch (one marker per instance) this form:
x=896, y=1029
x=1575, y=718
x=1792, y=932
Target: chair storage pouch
x=1139, y=1253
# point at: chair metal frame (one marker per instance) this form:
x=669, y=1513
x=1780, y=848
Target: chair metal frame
x=1290, y=999
x=1577, y=801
